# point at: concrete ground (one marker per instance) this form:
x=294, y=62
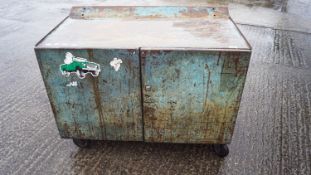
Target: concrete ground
x=272, y=134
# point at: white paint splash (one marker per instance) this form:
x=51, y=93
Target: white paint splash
x=231, y=46
x=72, y=84
x=116, y=63
x=68, y=58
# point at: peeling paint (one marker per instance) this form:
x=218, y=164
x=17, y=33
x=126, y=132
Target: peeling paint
x=116, y=63
x=72, y=84
x=195, y=96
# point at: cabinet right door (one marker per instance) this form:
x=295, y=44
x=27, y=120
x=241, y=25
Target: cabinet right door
x=191, y=96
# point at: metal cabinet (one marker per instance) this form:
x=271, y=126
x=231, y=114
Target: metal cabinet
x=155, y=74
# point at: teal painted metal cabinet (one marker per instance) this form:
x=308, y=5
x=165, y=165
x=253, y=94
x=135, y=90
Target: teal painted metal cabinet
x=156, y=74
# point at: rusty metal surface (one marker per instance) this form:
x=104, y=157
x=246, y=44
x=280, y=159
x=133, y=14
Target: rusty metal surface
x=272, y=134
x=107, y=107
x=147, y=12
x=192, y=97
x=158, y=27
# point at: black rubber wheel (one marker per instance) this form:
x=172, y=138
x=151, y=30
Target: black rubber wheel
x=82, y=143
x=221, y=150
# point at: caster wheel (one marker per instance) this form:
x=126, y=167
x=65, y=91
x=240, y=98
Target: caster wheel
x=82, y=143
x=221, y=150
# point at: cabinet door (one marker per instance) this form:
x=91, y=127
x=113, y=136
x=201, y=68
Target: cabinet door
x=119, y=88
x=94, y=102
x=191, y=96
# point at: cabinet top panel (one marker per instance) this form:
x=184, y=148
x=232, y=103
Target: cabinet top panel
x=128, y=27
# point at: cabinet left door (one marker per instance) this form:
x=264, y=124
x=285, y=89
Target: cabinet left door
x=94, y=93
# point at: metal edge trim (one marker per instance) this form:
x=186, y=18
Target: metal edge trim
x=41, y=40
x=131, y=6
x=153, y=48
x=248, y=44
x=212, y=5
x=197, y=49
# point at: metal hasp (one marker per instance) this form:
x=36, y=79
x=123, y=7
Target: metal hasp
x=150, y=73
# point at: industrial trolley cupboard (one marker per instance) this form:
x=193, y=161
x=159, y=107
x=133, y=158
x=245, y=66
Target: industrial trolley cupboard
x=145, y=73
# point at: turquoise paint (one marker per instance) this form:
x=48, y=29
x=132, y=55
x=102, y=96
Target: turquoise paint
x=185, y=71
x=89, y=12
x=184, y=87
x=179, y=107
x=76, y=111
x=120, y=94
x=74, y=106
x=162, y=11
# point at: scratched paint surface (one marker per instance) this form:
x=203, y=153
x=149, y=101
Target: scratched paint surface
x=192, y=97
x=120, y=94
x=143, y=12
x=154, y=27
x=272, y=133
x=105, y=107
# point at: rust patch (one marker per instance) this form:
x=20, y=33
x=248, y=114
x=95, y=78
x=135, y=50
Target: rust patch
x=149, y=113
x=177, y=72
x=193, y=127
x=208, y=82
x=97, y=97
x=66, y=130
x=134, y=12
x=53, y=108
x=154, y=52
x=221, y=133
x=77, y=132
x=201, y=28
x=234, y=65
